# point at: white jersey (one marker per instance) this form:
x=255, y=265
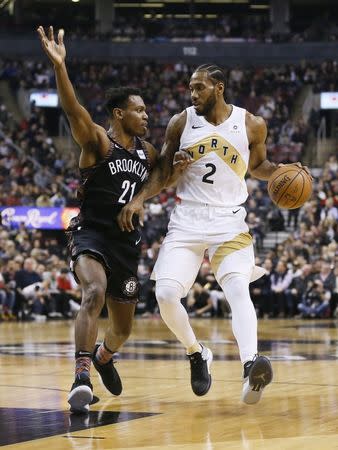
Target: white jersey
x=221, y=157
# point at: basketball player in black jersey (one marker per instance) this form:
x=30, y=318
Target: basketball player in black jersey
x=114, y=164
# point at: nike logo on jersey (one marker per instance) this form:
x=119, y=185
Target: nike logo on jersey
x=197, y=126
x=138, y=241
x=236, y=211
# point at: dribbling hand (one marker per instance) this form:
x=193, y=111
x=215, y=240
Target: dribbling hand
x=300, y=165
x=56, y=52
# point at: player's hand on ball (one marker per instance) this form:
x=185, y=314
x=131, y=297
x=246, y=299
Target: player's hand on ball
x=298, y=164
x=125, y=217
x=55, y=51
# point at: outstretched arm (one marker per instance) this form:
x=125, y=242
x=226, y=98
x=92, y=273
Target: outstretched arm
x=85, y=132
x=159, y=177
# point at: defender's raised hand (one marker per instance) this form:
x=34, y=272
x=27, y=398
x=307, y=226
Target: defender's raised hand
x=55, y=51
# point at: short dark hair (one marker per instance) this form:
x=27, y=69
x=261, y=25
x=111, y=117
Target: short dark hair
x=118, y=97
x=215, y=72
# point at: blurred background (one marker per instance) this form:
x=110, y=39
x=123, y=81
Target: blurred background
x=281, y=62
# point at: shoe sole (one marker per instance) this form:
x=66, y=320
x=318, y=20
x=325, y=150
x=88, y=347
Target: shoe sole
x=209, y=361
x=259, y=377
x=80, y=398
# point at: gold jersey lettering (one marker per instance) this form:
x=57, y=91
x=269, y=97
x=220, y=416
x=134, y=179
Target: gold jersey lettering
x=223, y=149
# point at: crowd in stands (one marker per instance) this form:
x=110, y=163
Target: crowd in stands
x=223, y=28
x=302, y=274
x=31, y=170
x=153, y=27
x=269, y=92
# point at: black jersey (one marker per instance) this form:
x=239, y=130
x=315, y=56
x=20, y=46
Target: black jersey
x=111, y=184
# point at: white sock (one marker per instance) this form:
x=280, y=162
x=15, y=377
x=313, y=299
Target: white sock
x=244, y=320
x=168, y=294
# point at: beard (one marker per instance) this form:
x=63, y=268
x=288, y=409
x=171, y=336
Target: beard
x=208, y=105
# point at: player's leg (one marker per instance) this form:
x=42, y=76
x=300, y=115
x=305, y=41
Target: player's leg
x=244, y=320
x=120, y=320
x=175, y=271
x=121, y=316
x=233, y=263
x=92, y=277
x=257, y=369
x=236, y=254
x=121, y=298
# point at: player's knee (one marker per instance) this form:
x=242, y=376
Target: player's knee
x=93, y=297
x=168, y=291
x=122, y=331
x=121, y=335
x=235, y=286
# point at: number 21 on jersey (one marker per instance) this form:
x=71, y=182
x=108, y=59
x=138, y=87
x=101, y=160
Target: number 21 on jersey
x=128, y=191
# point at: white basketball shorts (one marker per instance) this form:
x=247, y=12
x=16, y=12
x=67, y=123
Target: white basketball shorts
x=194, y=228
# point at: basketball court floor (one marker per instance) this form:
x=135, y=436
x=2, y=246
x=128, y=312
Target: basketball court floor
x=157, y=409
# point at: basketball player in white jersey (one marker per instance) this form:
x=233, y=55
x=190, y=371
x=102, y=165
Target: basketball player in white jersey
x=222, y=142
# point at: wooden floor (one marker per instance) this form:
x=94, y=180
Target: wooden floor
x=157, y=409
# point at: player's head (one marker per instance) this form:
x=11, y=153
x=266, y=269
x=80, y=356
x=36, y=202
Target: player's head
x=207, y=86
x=126, y=106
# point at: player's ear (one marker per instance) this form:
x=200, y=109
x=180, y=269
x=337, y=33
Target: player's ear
x=118, y=113
x=220, y=88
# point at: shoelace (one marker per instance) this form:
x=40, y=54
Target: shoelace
x=248, y=364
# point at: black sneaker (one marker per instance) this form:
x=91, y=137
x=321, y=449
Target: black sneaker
x=257, y=375
x=200, y=371
x=81, y=394
x=109, y=375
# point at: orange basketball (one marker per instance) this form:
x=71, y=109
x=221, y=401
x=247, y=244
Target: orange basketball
x=290, y=187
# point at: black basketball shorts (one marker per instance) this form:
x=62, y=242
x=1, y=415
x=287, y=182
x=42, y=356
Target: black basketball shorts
x=119, y=255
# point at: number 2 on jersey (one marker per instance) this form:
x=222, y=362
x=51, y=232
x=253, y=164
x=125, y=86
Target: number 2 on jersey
x=126, y=186
x=206, y=177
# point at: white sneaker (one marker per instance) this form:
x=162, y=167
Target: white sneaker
x=80, y=395
x=257, y=375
